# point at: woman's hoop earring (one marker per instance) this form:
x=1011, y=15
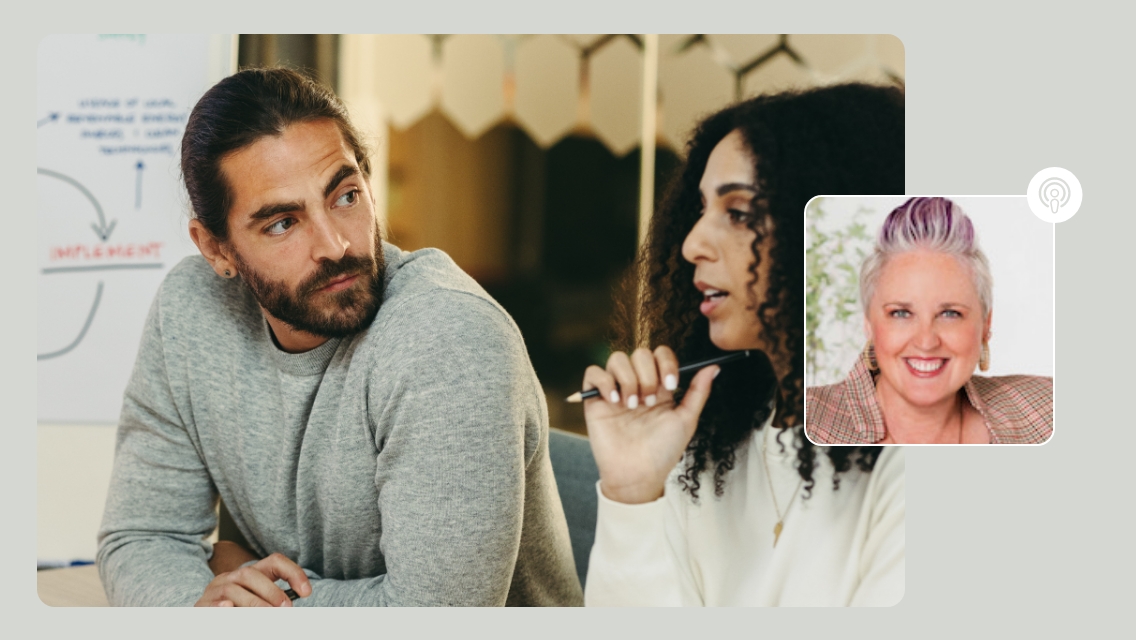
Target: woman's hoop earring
x=870, y=354
x=984, y=358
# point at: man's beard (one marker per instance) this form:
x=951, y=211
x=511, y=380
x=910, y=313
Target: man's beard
x=344, y=313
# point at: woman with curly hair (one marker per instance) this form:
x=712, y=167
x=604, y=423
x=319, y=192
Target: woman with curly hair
x=753, y=513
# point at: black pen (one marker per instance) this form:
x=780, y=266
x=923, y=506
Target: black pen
x=581, y=396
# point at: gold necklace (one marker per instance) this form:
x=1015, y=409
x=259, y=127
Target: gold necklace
x=780, y=517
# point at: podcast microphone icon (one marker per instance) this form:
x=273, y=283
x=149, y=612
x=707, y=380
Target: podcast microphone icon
x=1055, y=193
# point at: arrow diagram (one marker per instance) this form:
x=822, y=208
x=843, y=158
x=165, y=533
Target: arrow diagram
x=82, y=332
x=102, y=229
x=51, y=117
x=138, y=185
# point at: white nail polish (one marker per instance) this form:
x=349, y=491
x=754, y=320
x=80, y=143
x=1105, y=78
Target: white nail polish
x=633, y=401
x=650, y=400
x=615, y=397
x=670, y=382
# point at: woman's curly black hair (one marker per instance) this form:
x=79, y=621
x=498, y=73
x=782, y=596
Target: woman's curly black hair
x=841, y=139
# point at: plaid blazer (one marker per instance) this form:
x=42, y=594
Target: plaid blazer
x=1017, y=409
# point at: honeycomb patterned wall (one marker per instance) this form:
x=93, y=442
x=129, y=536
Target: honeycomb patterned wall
x=554, y=85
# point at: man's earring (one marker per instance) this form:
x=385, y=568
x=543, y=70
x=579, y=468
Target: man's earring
x=228, y=274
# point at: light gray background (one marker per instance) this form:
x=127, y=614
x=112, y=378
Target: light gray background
x=1023, y=541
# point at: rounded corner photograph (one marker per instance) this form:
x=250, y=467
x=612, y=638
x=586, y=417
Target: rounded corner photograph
x=929, y=320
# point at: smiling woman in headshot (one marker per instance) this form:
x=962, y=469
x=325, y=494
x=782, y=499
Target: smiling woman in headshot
x=927, y=295
x=709, y=493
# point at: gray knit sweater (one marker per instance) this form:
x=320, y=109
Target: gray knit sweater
x=406, y=465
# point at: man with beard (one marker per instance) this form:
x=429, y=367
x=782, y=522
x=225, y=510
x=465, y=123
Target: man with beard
x=369, y=416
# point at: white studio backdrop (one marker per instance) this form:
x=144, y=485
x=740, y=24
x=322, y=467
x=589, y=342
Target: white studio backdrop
x=1019, y=247
x=111, y=212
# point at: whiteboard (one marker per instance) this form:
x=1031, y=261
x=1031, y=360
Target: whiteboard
x=112, y=214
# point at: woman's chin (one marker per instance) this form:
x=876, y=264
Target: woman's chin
x=728, y=340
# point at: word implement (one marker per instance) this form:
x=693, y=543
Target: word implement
x=580, y=396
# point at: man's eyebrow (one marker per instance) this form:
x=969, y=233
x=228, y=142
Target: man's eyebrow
x=346, y=171
x=735, y=186
x=270, y=210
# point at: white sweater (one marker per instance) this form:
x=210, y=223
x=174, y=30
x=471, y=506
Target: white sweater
x=837, y=548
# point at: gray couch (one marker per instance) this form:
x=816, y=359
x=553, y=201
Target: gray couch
x=576, y=477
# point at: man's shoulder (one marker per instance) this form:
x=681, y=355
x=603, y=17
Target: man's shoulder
x=187, y=283
x=427, y=292
x=192, y=294
x=438, y=329
x=191, y=273
x=425, y=271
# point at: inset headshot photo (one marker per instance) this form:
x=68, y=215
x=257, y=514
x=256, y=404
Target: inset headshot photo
x=929, y=320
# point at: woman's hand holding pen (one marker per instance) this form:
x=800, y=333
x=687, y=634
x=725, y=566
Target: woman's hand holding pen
x=637, y=432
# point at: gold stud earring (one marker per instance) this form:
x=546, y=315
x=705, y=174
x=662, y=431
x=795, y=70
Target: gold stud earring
x=984, y=358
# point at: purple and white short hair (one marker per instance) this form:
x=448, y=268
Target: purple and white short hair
x=936, y=224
